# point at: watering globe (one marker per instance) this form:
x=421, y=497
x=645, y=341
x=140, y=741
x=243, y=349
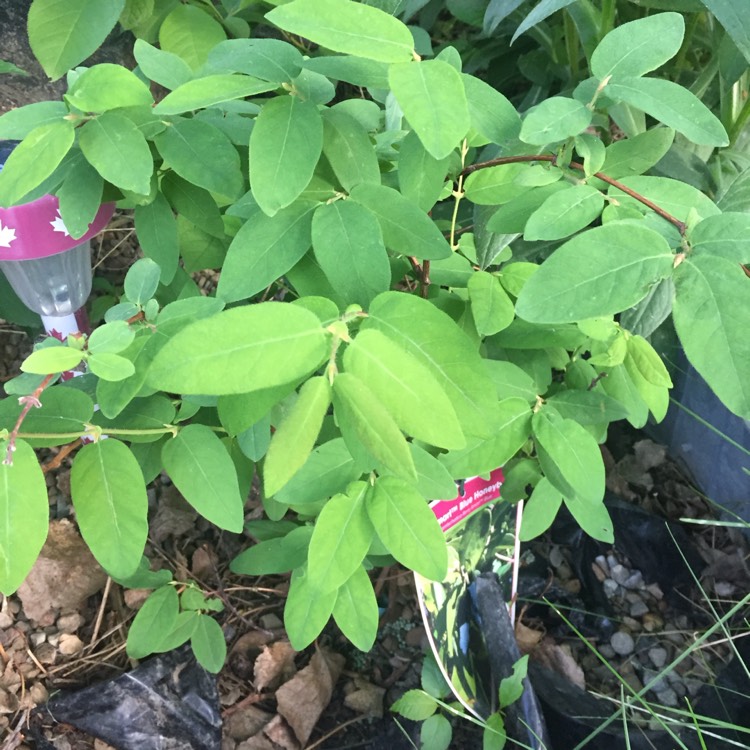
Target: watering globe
x=49, y=270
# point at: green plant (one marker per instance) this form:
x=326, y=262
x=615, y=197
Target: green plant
x=417, y=285
x=428, y=706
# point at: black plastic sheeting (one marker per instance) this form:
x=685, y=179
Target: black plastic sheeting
x=574, y=715
x=168, y=703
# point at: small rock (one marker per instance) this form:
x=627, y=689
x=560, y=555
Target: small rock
x=668, y=697
x=622, y=643
x=37, y=639
x=655, y=590
x=693, y=686
x=556, y=558
x=38, y=693
x=724, y=589
x=6, y=620
x=135, y=598
x=610, y=588
x=612, y=561
x=69, y=623
x=271, y=621
x=631, y=624
x=246, y=722
x=638, y=609
x=53, y=639
x=620, y=574
x=606, y=651
x=601, y=561
x=652, y=623
x=680, y=689
x=659, y=683
x=70, y=644
x=46, y=653
x=634, y=581
x=658, y=657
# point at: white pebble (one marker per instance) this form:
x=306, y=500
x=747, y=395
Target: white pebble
x=622, y=643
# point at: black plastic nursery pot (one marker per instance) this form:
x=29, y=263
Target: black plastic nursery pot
x=475, y=644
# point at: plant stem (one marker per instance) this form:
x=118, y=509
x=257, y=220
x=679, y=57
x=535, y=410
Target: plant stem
x=552, y=159
x=739, y=124
x=28, y=402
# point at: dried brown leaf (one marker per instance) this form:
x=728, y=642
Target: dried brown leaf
x=303, y=699
x=274, y=665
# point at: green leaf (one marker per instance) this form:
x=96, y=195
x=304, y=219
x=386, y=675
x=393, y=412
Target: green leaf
x=436, y=733
x=285, y=146
x=347, y=27
x=725, y=235
x=208, y=644
x=648, y=362
x=618, y=384
x=555, y=119
x=273, y=556
x=420, y=175
x=25, y=512
x=210, y=90
x=343, y=534
x=429, y=334
x=678, y=198
x=154, y=619
x=181, y=632
x=9, y=68
x=433, y=480
x=491, y=115
x=600, y=272
x=17, y=123
x=541, y=11
x=348, y=149
x=356, y=610
x=432, y=97
x=162, y=67
x=569, y=456
x=109, y=497
x=511, y=380
x=564, y=213
x=329, y=470
x=638, y=47
x=415, y=705
x=64, y=33
x=593, y=152
x=194, y=203
x=407, y=527
x=264, y=249
x=63, y=410
x=269, y=59
x=116, y=148
x=512, y=217
x=307, y=610
x=407, y=230
x=634, y=156
x=52, y=359
x=494, y=736
x=240, y=411
x=365, y=422
x=157, y=234
x=511, y=687
x=587, y=407
x=735, y=23
x=512, y=427
x=491, y=307
x=199, y=249
x=358, y=71
x=348, y=245
x=34, y=159
x=190, y=33
x=111, y=338
x=540, y=510
x=80, y=196
x=239, y=350
x=712, y=326
x=141, y=281
x=407, y=389
x=672, y=105
x=145, y=578
x=295, y=437
x=593, y=519
x=494, y=185
x=202, y=154
x=107, y=86
x=203, y=472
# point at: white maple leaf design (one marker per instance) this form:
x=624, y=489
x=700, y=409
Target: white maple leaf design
x=7, y=235
x=58, y=225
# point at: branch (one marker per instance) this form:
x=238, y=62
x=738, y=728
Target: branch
x=575, y=165
x=28, y=402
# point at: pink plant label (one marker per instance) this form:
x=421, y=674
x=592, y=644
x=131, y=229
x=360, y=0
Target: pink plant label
x=473, y=494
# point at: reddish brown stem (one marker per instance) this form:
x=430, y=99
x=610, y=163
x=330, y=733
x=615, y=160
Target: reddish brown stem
x=425, y=279
x=28, y=402
x=575, y=165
